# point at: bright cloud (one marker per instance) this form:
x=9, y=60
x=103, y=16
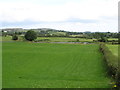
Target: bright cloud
x=70, y=15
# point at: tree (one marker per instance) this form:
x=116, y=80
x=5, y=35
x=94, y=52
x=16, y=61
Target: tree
x=103, y=39
x=14, y=37
x=30, y=35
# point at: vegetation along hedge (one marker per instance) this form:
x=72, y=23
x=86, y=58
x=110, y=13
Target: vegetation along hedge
x=111, y=62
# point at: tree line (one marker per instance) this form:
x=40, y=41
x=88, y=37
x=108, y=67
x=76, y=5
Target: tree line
x=32, y=35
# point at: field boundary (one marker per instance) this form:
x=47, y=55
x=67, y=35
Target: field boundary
x=111, y=63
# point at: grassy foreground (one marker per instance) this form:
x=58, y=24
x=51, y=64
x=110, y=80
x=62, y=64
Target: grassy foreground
x=42, y=65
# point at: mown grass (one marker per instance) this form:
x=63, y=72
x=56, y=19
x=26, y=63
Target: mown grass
x=113, y=49
x=51, y=39
x=54, y=39
x=44, y=65
x=112, y=38
x=65, y=39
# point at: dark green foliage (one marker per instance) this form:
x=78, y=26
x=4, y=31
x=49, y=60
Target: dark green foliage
x=14, y=37
x=30, y=35
x=103, y=39
x=18, y=33
x=77, y=40
x=42, y=40
x=111, y=62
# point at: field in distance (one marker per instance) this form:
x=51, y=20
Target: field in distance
x=42, y=65
x=51, y=39
x=54, y=39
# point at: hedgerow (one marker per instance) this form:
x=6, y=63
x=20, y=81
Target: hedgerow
x=111, y=63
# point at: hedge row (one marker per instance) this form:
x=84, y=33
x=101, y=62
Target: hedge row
x=111, y=63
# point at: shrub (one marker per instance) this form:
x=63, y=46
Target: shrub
x=77, y=40
x=30, y=35
x=103, y=39
x=42, y=40
x=111, y=62
x=14, y=37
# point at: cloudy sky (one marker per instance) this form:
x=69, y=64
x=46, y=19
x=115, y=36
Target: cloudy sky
x=69, y=15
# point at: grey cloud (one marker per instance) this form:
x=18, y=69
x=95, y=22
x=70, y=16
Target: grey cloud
x=22, y=23
x=81, y=20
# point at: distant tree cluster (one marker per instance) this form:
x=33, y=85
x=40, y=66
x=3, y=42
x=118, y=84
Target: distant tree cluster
x=15, y=37
x=32, y=34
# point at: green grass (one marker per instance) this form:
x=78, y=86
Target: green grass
x=55, y=39
x=114, y=52
x=112, y=38
x=113, y=49
x=8, y=38
x=64, y=39
x=41, y=65
x=52, y=39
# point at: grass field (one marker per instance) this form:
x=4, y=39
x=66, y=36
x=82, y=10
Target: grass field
x=52, y=39
x=8, y=38
x=65, y=39
x=55, y=39
x=113, y=49
x=42, y=65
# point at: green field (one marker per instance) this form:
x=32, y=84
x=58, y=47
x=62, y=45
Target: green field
x=42, y=65
x=65, y=39
x=51, y=39
x=54, y=39
x=113, y=49
x=9, y=38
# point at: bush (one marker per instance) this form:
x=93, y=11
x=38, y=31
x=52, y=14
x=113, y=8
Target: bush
x=77, y=40
x=111, y=62
x=103, y=39
x=30, y=35
x=42, y=40
x=14, y=37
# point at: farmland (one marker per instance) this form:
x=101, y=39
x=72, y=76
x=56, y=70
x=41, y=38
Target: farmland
x=41, y=65
x=51, y=39
x=54, y=39
x=113, y=49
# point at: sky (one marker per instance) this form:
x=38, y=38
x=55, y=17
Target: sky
x=68, y=15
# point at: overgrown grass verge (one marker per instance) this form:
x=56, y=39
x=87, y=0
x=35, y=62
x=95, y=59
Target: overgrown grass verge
x=112, y=63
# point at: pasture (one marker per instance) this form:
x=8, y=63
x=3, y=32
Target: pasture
x=113, y=49
x=51, y=39
x=65, y=39
x=45, y=65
